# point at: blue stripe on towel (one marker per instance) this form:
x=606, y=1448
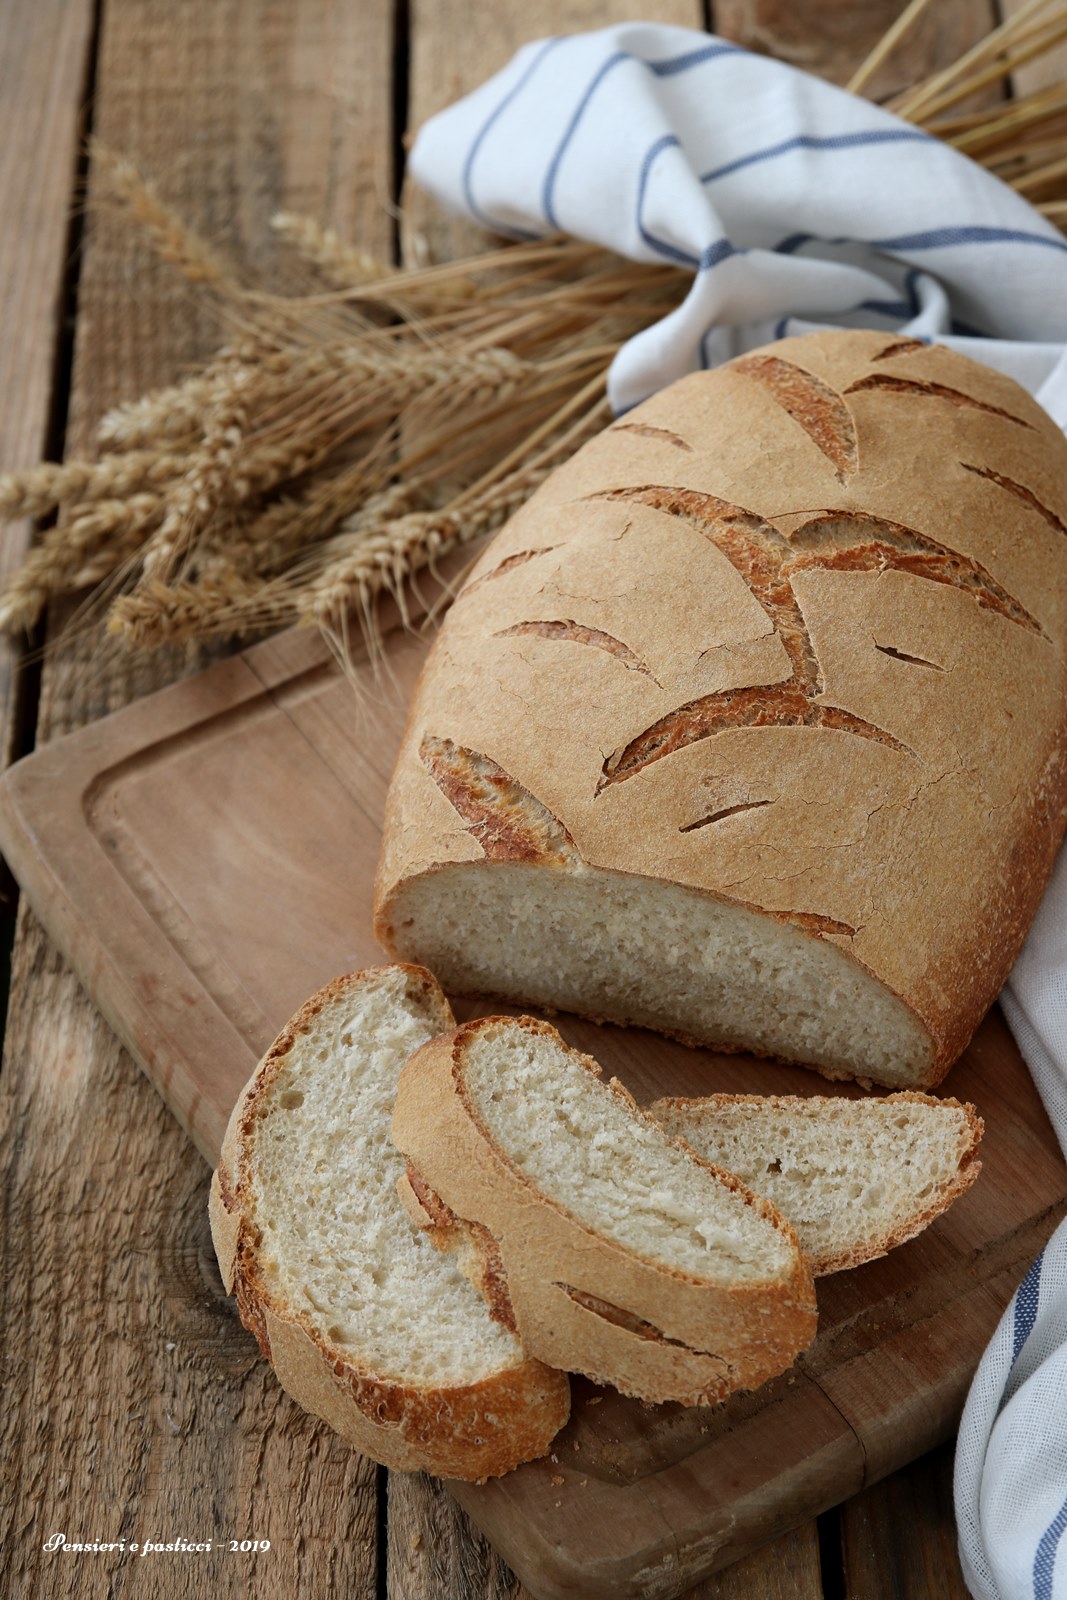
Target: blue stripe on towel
x=667, y=68
x=944, y=238
x=672, y=65
x=667, y=141
x=719, y=249
x=897, y=308
x=836, y=141
x=483, y=132
x=793, y=241
x=547, y=201
x=935, y=239
x=1026, y=1298
x=1045, y=1556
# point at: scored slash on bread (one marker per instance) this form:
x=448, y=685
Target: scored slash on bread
x=854, y=1177
x=610, y=1248
x=365, y=1323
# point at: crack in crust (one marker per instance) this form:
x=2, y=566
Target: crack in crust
x=811, y=403
x=646, y=428
x=508, y=821
x=815, y=923
x=507, y=565
x=901, y=347
x=577, y=633
x=619, y=1317
x=832, y=547
x=935, y=391
x=902, y=655
x=753, y=548
x=720, y=816
x=783, y=705
x=1020, y=491
x=764, y=558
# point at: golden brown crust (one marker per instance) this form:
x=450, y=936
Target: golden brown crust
x=469, y=1431
x=862, y=618
x=708, y=1337
x=908, y=1228
x=481, y=1260
x=819, y=410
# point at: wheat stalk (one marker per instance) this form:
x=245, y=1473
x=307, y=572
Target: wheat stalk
x=340, y=263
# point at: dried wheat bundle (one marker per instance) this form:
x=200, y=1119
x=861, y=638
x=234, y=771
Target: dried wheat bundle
x=347, y=436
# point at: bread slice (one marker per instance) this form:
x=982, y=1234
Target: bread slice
x=610, y=1248
x=854, y=1177
x=365, y=1323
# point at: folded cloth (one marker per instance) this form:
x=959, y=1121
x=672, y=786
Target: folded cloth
x=797, y=206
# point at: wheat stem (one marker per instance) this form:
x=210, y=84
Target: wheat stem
x=886, y=45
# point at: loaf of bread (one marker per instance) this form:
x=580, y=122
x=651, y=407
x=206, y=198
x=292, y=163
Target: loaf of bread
x=854, y=1177
x=365, y=1323
x=609, y=1248
x=749, y=727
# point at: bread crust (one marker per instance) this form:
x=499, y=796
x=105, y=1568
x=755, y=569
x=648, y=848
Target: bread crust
x=666, y=1335
x=907, y=1228
x=471, y=1431
x=883, y=673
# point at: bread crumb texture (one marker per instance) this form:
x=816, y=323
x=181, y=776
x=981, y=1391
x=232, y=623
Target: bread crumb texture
x=334, y=1243
x=585, y=1146
x=854, y=1177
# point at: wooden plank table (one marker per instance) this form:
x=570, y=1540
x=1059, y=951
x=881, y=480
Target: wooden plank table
x=137, y=1407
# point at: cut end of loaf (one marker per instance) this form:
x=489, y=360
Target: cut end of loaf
x=627, y=949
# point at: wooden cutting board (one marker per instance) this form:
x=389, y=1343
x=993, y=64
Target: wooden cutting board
x=205, y=858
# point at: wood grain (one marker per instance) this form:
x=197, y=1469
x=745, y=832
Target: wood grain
x=832, y=39
x=138, y=1407
x=788, y=1569
x=899, y=1539
x=44, y=67
x=1041, y=73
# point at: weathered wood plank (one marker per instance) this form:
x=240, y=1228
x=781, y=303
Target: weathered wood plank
x=1042, y=72
x=788, y=1569
x=899, y=1538
x=44, y=67
x=139, y=1408
x=832, y=37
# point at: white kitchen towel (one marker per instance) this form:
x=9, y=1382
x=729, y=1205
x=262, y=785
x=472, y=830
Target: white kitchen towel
x=796, y=206
x=1011, y=1459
